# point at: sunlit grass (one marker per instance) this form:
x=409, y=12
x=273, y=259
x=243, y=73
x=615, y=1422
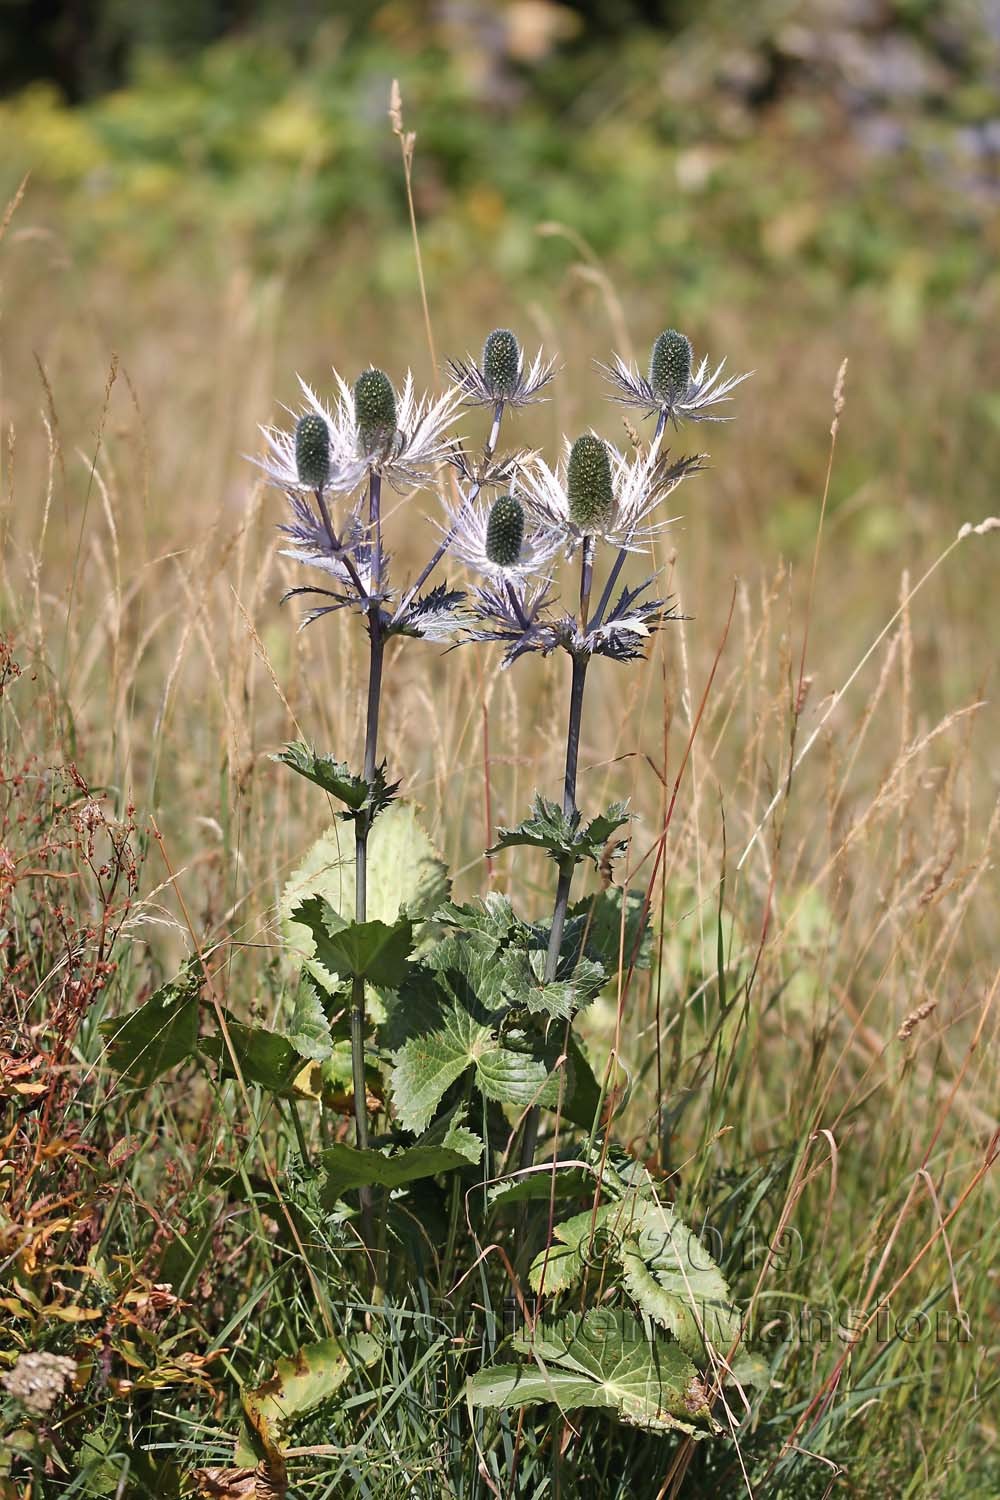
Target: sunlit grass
x=813, y=1056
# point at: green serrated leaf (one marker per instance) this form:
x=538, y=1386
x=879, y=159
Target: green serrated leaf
x=405, y=872
x=682, y=1288
x=570, y=1182
x=161, y=1033
x=603, y=1360
x=448, y=1020
x=374, y=951
x=557, y=1269
x=599, y=830
x=427, y=1065
x=346, y=1167
x=524, y=984
x=563, y=837
x=547, y=828
x=335, y=777
x=664, y=1267
x=308, y=1027
x=583, y=1100
x=264, y=1057
x=599, y=918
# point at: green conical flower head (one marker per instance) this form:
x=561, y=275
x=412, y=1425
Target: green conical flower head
x=505, y=531
x=312, y=451
x=670, y=365
x=501, y=362
x=374, y=409
x=588, y=484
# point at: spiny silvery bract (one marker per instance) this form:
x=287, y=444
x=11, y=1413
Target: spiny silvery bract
x=589, y=494
x=312, y=451
x=499, y=541
x=670, y=365
x=374, y=410
x=638, y=486
x=673, y=389
x=501, y=376
x=294, y=459
x=375, y=425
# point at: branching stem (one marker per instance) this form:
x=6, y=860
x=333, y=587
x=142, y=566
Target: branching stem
x=619, y=563
x=471, y=497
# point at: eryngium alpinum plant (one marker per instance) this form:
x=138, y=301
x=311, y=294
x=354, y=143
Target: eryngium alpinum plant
x=461, y=1033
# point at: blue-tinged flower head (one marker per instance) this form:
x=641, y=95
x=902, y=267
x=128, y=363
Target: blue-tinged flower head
x=596, y=492
x=499, y=541
x=674, y=387
x=316, y=453
x=501, y=374
x=394, y=432
x=374, y=411
x=312, y=451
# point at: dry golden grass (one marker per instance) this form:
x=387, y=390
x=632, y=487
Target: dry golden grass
x=859, y=893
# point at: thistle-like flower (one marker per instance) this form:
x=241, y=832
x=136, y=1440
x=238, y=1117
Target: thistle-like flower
x=673, y=388
x=500, y=541
x=501, y=374
x=369, y=426
x=597, y=492
x=395, y=433
x=318, y=453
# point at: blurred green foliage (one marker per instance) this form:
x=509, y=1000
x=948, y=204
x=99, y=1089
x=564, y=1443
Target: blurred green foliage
x=797, y=140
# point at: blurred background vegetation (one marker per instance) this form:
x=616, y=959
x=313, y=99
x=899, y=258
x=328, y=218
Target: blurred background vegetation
x=855, y=143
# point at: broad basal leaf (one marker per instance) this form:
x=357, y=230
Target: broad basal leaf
x=449, y=1020
x=440, y=1151
x=298, y=1385
x=672, y=1277
x=663, y=1266
x=375, y=951
x=161, y=1033
x=263, y=1057
x=603, y=1360
x=405, y=872
x=308, y=1029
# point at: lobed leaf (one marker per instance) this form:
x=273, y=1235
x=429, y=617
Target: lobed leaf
x=562, y=836
x=603, y=1360
x=375, y=951
x=336, y=777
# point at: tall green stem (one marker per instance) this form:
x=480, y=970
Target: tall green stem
x=581, y=661
x=376, y=654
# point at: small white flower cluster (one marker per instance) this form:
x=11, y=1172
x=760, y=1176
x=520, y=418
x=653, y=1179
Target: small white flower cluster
x=38, y=1379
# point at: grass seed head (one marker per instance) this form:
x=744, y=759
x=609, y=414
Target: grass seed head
x=588, y=484
x=374, y=409
x=670, y=365
x=312, y=450
x=505, y=531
